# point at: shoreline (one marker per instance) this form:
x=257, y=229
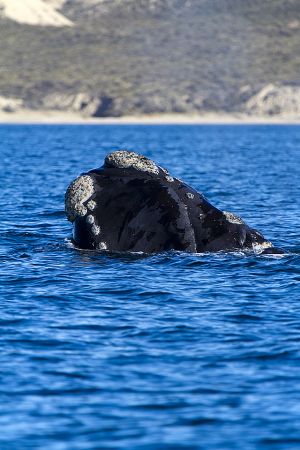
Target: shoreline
x=69, y=118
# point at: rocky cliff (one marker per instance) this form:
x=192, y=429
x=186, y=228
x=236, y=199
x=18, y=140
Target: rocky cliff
x=274, y=100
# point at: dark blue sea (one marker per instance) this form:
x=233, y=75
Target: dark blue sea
x=168, y=351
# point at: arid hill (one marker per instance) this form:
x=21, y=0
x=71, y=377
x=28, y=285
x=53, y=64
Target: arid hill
x=116, y=57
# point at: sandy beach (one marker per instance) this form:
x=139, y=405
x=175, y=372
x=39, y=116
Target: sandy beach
x=58, y=117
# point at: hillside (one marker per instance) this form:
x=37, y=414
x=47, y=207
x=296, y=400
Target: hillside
x=151, y=56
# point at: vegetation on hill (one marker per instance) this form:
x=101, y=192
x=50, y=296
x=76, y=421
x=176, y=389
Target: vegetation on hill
x=180, y=56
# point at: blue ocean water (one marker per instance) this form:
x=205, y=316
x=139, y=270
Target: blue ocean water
x=168, y=351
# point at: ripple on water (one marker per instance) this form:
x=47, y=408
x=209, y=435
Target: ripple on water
x=138, y=351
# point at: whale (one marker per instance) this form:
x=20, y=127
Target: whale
x=131, y=204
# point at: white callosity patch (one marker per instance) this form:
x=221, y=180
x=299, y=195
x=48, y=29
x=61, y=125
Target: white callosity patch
x=91, y=205
x=170, y=179
x=124, y=159
x=95, y=229
x=90, y=219
x=79, y=191
x=102, y=246
x=190, y=195
x=232, y=218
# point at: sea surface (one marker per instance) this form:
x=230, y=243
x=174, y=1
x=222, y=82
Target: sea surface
x=168, y=351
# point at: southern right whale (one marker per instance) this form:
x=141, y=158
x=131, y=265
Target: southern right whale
x=132, y=204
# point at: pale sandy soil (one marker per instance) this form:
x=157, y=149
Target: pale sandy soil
x=58, y=117
x=33, y=12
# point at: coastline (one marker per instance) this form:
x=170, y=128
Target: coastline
x=59, y=117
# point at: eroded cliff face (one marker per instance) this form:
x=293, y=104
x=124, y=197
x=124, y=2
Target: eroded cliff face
x=275, y=99
x=10, y=105
x=123, y=57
